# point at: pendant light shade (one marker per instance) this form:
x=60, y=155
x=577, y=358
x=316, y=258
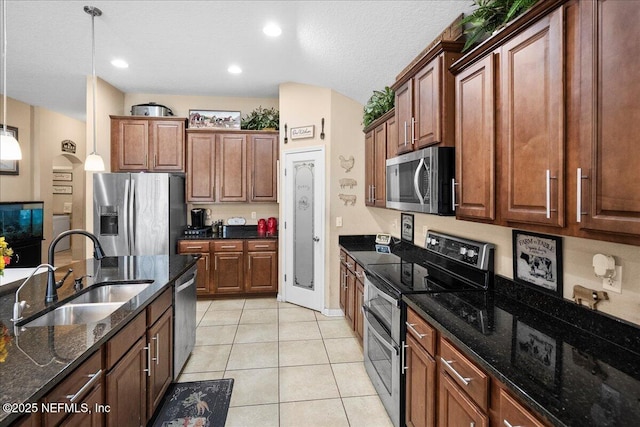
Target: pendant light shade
x=94, y=162
x=9, y=146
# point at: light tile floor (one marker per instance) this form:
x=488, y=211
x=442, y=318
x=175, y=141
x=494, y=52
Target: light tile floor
x=291, y=366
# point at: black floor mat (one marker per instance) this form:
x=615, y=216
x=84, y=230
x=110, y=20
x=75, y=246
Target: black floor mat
x=195, y=404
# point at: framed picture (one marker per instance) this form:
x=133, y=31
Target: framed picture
x=214, y=119
x=10, y=167
x=62, y=176
x=303, y=132
x=406, y=227
x=62, y=189
x=538, y=354
x=537, y=261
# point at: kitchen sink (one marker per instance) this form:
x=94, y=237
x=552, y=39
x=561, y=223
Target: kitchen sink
x=92, y=305
x=73, y=314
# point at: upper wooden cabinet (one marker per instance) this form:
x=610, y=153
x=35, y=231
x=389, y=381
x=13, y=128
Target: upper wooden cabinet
x=375, y=151
x=608, y=194
x=476, y=141
x=532, y=123
x=236, y=166
x=424, y=102
x=147, y=144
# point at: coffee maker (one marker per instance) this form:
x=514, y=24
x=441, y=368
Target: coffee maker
x=197, y=218
x=198, y=227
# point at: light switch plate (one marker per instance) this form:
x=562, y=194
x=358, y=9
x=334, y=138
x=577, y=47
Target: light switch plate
x=338, y=221
x=68, y=207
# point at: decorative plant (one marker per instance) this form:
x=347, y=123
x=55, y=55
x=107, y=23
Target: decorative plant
x=261, y=118
x=5, y=254
x=490, y=16
x=380, y=102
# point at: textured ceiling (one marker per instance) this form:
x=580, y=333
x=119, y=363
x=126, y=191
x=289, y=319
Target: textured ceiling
x=185, y=47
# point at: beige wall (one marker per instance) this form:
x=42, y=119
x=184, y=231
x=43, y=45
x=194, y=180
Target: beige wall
x=19, y=187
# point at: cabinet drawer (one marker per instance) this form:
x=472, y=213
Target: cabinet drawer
x=359, y=272
x=262, y=245
x=123, y=340
x=351, y=263
x=228, y=246
x=514, y=414
x=159, y=306
x=195, y=246
x=424, y=333
x=343, y=257
x=76, y=386
x=465, y=373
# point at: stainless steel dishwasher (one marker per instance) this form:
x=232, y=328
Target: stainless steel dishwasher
x=184, y=319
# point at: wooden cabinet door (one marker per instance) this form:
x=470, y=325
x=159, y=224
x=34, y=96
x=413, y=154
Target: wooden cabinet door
x=127, y=388
x=343, y=287
x=359, y=317
x=455, y=408
x=512, y=413
x=94, y=418
x=426, y=105
x=228, y=272
x=231, y=151
x=262, y=164
x=532, y=123
x=203, y=280
x=475, y=141
x=262, y=272
x=404, y=116
x=201, y=177
x=380, y=165
x=369, y=167
x=167, y=144
x=610, y=59
x=392, y=138
x=160, y=338
x=350, y=306
x=420, y=386
x=129, y=145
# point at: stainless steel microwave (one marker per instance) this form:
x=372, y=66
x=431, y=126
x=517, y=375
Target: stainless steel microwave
x=421, y=181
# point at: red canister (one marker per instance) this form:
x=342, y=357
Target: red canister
x=262, y=226
x=272, y=226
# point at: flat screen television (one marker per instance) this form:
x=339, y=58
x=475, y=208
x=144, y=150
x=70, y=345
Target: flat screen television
x=21, y=221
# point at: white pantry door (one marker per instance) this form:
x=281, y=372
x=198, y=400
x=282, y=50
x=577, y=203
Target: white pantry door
x=303, y=201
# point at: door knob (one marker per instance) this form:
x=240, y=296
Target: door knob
x=316, y=239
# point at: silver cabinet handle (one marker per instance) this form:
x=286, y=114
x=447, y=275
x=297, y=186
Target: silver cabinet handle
x=403, y=362
x=579, y=178
x=249, y=263
x=194, y=247
x=215, y=263
x=261, y=246
x=155, y=160
x=448, y=363
x=148, y=350
x=548, y=179
x=93, y=378
x=157, y=340
x=453, y=194
x=207, y=264
x=411, y=326
x=228, y=247
x=413, y=130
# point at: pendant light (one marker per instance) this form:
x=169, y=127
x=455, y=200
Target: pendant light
x=94, y=161
x=9, y=147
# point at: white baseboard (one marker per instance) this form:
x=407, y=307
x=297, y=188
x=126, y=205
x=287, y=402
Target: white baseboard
x=333, y=312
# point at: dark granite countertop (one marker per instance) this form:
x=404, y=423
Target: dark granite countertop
x=37, y=358
x=235, y=232
x=586, y=371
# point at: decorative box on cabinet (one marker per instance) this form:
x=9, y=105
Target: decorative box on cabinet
x=154, y=144
x=424, y=102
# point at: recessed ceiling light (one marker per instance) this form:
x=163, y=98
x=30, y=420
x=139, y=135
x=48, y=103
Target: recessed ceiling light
x=234, y=69
x=120, y=63
x=272, y=30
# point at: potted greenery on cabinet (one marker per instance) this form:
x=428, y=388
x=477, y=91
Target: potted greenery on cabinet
x=261, y=119
x=380, y=102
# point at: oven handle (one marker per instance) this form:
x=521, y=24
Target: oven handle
x=380, y=338
x=382, y=293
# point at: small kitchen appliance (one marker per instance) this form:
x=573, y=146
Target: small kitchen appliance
x=151, y=110
x=272, y=226
x=197, y=218
x=262, y=227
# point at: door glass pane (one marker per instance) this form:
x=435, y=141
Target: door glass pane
x=303, y=232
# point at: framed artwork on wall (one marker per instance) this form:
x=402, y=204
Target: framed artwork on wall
x=537, y=261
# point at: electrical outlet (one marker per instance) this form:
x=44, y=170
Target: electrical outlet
x=615, y=285
x=253, y=215
x=338, y=221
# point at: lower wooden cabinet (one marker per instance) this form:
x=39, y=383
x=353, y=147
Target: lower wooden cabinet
x=512, y=413
x=455, y=408
x=359, y=319
x=93, y=400
x=343, y=281
x=235, y=266
x=420, y=405
x=160, y=339
x=352, y=292
x=127, y=388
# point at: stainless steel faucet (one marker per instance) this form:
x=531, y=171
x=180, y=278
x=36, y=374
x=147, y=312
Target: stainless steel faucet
x=19, y=306
x=52, y=285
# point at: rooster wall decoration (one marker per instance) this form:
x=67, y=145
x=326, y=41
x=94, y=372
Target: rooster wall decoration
x=347, y=164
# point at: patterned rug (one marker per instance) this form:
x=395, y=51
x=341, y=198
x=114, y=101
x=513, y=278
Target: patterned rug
x=195, y=404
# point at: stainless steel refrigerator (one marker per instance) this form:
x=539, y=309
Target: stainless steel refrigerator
x=139, y=213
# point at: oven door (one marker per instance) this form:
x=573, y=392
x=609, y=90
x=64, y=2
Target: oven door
x=382, y=363
x=384, y=307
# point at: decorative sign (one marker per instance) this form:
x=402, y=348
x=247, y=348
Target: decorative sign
x=62, y=189
x=302, y=132
x=406, y=224
x=68, y=146
x=62, y=176
x=537, y=261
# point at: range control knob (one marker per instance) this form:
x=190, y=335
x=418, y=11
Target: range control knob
x=471, y=253
x=463, y=250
